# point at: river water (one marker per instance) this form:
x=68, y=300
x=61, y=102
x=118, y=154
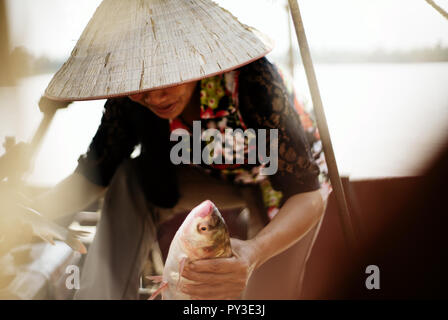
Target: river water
x=384, y=119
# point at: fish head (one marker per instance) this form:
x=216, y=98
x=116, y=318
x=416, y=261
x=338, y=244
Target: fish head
x=205, y=234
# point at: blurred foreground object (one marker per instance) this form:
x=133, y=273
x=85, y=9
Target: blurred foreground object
x=18, y=222
x=6, y=75
x=37, y=271
x=18, y=157
x=409, y=247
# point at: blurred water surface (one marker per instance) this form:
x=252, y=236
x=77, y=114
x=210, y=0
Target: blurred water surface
x=384, y=119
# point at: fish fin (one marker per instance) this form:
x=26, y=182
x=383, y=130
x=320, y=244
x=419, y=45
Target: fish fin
x=75, y=244
x=46, y=237
x=163, y=286
x=181, y=270
x=73, y=240
x=155, y=279
x=54, y=231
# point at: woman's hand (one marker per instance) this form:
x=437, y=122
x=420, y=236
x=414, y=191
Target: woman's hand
x=221, y=278
x=226, y=278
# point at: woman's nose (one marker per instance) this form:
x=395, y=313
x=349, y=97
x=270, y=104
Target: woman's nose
x=155, y=97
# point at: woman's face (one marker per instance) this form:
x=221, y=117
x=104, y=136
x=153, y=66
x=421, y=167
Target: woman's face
x=167, y=103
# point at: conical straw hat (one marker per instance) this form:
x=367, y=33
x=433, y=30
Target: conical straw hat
x=136, y=45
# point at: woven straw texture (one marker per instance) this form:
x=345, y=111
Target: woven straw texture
x=136, y=45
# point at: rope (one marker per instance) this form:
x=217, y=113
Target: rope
x=438, y=8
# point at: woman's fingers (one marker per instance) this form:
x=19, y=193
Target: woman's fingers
x=221, y=278
x=213, y=292
x=212, y=278
x=221, y=265
x=215, y=278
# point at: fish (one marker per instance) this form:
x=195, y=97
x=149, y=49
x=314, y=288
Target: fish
x=48, y=230
x=25, y=222
x=202, y=235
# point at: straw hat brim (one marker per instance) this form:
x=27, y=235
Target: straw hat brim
x=134, y=46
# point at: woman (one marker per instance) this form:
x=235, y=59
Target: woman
x=167, y=66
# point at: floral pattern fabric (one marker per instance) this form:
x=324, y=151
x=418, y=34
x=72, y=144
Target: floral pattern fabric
x=254, y=96
x=220, y=110
x=309, y=124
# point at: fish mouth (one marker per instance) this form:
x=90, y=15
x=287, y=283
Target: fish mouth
x=209, y=214
x=205, y=209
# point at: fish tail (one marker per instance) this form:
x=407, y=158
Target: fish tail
x=163, y=286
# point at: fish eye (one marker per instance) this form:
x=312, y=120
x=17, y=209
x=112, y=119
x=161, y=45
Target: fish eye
x=202, y=227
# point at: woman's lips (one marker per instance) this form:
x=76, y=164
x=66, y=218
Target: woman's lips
x=168, y=109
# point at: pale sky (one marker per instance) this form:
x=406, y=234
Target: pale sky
x=52, y=27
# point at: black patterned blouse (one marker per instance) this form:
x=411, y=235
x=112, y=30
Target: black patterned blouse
x=254, y=96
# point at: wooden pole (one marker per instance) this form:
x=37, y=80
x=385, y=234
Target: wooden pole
x=437, y=8
x=336, y=183
x=291, y=48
